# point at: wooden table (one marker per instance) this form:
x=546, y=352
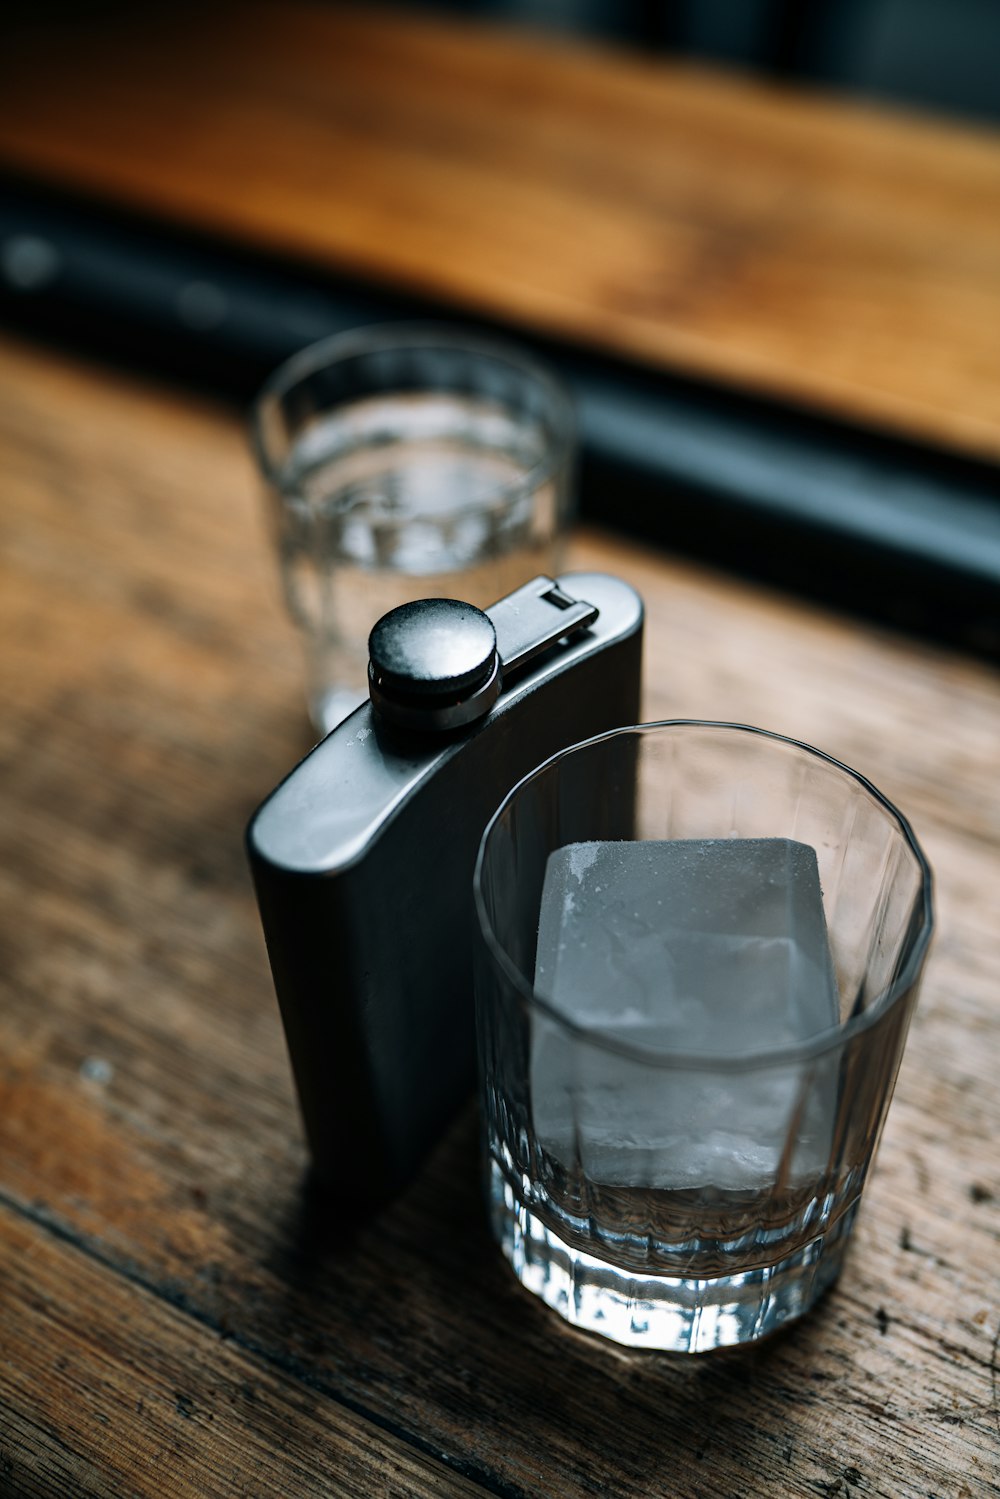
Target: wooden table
x=177, y=1316
x=835, y=256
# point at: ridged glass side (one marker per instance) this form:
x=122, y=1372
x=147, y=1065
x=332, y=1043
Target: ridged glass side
x=682, y=1313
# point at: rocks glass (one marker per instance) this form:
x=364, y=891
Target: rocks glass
x=403, y=462
x=701, y=946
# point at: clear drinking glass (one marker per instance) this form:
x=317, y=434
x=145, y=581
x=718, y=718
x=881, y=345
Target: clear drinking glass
x=402, y=462
x=663, y=1196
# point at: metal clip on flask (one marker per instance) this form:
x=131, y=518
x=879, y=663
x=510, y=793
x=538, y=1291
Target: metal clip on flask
x=362, y=858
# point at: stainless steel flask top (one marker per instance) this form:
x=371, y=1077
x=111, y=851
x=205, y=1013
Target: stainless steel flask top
x=440, y=664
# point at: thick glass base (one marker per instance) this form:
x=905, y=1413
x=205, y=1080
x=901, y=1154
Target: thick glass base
x=663, y=1312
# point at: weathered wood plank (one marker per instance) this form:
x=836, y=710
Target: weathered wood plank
x=108, y=1391
x=151, y=695
x=815, y=250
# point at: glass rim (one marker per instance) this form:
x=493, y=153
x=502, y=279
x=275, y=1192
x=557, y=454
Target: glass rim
x=374, y=337
x=808, y=1050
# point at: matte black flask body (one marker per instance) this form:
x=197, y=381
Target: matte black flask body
x=362, y=861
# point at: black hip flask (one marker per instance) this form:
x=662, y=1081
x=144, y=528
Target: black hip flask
x=362, y=858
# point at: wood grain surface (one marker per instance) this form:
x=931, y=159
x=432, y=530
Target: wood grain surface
x=830, y=255
x=178, y=1314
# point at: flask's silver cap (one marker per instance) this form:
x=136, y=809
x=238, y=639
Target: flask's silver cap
x=439, y=664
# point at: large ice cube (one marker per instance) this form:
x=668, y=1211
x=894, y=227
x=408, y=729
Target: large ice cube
x=715, y=947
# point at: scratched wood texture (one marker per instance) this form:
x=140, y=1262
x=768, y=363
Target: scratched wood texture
x=837, y=256
x=177, y=1315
